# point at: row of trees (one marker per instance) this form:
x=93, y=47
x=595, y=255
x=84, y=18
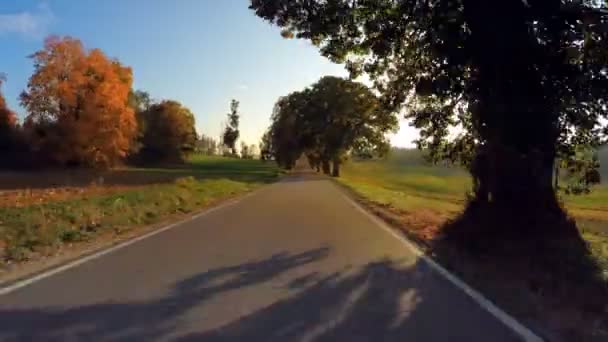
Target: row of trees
x=206, y=145
x=227, y=143
x=524, y=82
x=327, y=121
x=82, y=111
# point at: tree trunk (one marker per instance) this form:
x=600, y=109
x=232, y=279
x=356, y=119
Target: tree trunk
x=326, y=167
x=556, y=177
x=336, y=167
x=521, y=183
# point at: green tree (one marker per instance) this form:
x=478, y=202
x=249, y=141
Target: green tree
x=253, y=151
x=266, y=146
x=327, y=121
x=207, y=145
x=343, y=116
x=524, y=82
x=245, y=153
x=286, y=133
x=170, y=133
x=140, y=101
x=231, y=132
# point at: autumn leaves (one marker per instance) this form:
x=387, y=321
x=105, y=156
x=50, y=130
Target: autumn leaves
x=77, y=105
x=78, y=110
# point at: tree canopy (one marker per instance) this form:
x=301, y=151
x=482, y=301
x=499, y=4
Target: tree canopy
x=523, y=83
x=170, y=132
x=9, y=132
x=231, y=132
x=77, y=101
x=327, y=121
x=8, y=118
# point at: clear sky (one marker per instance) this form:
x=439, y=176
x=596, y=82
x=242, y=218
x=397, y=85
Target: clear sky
x=202, y=53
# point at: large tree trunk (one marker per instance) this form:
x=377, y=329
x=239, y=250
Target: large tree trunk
x=336, y=167
x=326, y=167
x=514, y=192
x=513, y=168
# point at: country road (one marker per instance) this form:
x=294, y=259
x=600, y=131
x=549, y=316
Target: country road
x=295, y=261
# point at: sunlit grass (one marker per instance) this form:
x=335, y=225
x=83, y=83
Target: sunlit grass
x=418, y=191
x=39, y=228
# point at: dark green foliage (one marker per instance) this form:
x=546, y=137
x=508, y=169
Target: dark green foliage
x=14, y=151
x=524, y=81
x=603, y=158
x=327, y=121
x=266, y=146
x=140, y=101
x=169, y=134
x=231, y=132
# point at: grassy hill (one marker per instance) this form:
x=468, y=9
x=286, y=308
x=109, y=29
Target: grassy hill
x=405, y=180
x=402, y=157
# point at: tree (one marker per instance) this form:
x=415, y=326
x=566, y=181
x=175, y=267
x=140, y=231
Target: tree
x=345, y=115
x=523, y=81
x=326, y=122
x=285, y=133
x=245, y=150
x=77, y=102
x=9, y=133
x=8, y=118
x=231, y=132
x=140, y=101
x=252, y=151
x=207, y=145
x=266, y=146
x=170, y=134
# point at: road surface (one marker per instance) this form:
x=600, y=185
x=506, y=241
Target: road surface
x=295, y=261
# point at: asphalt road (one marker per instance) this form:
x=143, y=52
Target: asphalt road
x=295, y=261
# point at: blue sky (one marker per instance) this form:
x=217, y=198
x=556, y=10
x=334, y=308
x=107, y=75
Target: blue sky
x=202, y=53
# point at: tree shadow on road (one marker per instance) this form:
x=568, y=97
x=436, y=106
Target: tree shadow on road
x=385, y=300
x=144, y=320
x=534, y=263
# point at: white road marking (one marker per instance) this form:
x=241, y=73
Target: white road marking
x=45, y=274
x=508, y=320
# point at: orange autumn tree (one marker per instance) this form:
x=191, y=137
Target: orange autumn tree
x=8, y=118
x=8, y=130
x=77, y=101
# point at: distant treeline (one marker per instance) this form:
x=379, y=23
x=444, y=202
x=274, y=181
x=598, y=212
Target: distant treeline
x=82, y=111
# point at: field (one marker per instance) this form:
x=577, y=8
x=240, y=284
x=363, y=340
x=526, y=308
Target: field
x=553, y=293
x=40, y=212
x=406, y=182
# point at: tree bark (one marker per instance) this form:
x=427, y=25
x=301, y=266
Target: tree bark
x=336, y=167
x=326, y=167
x=503, y=177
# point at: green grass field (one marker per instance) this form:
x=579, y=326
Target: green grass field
x=139, y=197
x=429, y=195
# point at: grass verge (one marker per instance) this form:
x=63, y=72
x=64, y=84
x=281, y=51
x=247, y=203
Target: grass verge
x=547, y=290
x=34, y=230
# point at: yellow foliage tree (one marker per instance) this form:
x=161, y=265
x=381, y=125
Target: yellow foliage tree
x=77, y=102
